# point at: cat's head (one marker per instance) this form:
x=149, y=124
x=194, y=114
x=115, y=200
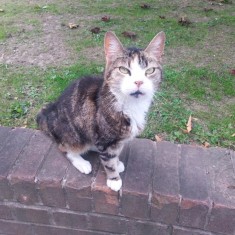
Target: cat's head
x=133, y=72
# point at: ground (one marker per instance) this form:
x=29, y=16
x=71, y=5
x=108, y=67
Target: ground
x=40, y=55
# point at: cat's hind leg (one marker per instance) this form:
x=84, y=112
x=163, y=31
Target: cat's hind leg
x=78, y=162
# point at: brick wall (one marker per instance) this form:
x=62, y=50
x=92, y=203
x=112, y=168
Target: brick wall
x=167, y=189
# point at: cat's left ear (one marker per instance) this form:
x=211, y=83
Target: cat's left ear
x=112, y=47
x=156, y=46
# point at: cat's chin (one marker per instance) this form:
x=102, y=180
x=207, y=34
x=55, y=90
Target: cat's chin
x=137, y=94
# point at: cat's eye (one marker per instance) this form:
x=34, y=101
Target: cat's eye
x=124, y=70
x=150, y=71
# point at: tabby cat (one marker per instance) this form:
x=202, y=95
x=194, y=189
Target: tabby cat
x=106, y=112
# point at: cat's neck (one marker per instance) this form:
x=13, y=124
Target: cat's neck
x=135, y=108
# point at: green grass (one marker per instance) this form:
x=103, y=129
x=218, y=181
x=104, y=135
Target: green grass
x=196, y=92
x=196, y=82
x=2, y=33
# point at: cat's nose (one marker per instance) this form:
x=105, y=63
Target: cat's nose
x=139, y=83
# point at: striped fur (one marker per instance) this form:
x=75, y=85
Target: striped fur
x=106, y=112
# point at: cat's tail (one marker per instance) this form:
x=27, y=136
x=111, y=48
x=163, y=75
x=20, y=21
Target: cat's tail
x=42, y=119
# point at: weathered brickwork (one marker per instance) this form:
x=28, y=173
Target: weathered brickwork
x=168, y=189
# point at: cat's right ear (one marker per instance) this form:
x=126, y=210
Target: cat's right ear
x=112, y=47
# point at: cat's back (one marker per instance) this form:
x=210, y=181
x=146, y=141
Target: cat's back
x=81, y=89
x=76, y=106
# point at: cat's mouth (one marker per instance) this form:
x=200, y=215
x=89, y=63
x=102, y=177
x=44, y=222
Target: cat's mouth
x=137, y=94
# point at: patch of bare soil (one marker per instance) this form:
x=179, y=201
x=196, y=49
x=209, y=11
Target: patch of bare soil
x=215, y=51
x=47, y=47
x=95, y=54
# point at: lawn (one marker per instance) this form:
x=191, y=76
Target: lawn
x=40, y=55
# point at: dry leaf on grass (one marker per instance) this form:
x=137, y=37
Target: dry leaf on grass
x=95, y=30
x=189, y=124
x=208, y=9
x=145, y=6
x=233, y=135
x=73, y=26
x=105, y=18
x=158, y=138
x=1, y=10
x=129, y=34
x=184, y=21
x=206, y=144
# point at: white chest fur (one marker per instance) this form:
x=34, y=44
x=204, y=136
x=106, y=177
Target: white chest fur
x=136, y=109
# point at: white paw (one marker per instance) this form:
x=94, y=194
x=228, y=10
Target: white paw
x=82, y=165
x=115, y=185
x=120, y=167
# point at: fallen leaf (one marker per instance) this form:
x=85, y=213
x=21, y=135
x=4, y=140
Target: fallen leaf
x=206, y=144
x=162, y=17
x=105, y=18
x=233, y=135
x=145, y=6
x=1, y=10
x=184, y=131
x=129, y=34
x=217, y=3
x=232, y=71
x=95, y=30
x=73, y=26
x=189, y=124
x=184, y=21
x=158, y=138
x=208, y=9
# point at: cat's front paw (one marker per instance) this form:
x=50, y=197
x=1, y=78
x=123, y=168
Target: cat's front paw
x=120, y=167
x=115, y=185
x=83, y=166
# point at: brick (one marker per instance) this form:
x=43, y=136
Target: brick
x=50, y=177
x=192, y=173
x=185, y=231
x=193, y=188
x=165, y=199
x=32, y=214
x=138, y=179
x=193, y=213
x=220, y=177
x=5, y=212
x=232, y=155
x=15, y=142
x=141, y=228
x=4, y=133
x=78, y=185
x=51, y=230
x=5, y=190
x=221, y=181
x=108, y=224
x=222, y=220
x=70, y=220
x=23, y=175
x=10, y=227
x=106, y=200
x=165, y=208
